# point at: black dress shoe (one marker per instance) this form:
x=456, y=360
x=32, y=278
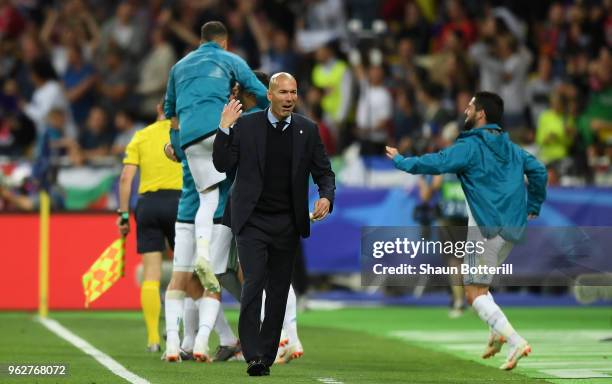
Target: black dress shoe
x=258, y=368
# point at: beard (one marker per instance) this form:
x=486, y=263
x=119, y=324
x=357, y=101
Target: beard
x=468, y=124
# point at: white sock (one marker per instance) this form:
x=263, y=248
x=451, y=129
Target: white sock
x=492, y=299
x=204, y=221
x=208, y=315
x=223, y=329
x=190, y=323
x=174, y=313
x=491, y=313
x=290, y=321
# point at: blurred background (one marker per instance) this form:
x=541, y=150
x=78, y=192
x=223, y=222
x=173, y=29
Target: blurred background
x=84, y=75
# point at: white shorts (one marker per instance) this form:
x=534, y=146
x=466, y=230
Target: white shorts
x=199, y=158
x=184, y=247
x=220, y=245
x=496, y=250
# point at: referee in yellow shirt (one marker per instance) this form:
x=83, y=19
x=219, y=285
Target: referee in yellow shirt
x=159, y=190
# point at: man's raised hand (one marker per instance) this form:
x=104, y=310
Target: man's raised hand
x=391, y=152
x=231, y=113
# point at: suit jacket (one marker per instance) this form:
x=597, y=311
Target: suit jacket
x=245, y=148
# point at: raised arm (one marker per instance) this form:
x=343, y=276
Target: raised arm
x=453, y=159
x=226, y=148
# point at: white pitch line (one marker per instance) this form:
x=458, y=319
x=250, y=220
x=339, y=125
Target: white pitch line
x=575, y=364
x=92, y=351
x=574, y=373
x=552, y=349
x=329, y=380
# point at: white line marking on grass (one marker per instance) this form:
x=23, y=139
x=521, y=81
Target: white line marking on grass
x=574, y=373
x=605, y=365
x=329, y=380
x=562, y=353
x=92, y=351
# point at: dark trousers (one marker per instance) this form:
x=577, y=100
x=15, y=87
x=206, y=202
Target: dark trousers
x=266, y=247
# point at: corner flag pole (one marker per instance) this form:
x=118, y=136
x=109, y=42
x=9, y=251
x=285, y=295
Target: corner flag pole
x=43, y=255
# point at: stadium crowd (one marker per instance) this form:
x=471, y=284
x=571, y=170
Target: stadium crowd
x=84, y=75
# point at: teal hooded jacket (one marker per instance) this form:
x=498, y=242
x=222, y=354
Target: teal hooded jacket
x=492, y=172
x=199, y=86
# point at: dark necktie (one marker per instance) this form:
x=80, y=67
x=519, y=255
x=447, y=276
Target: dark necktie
x=280, y=125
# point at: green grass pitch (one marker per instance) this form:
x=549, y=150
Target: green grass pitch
x=351, y=345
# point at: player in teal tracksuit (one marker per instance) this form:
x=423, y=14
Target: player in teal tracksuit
x=185, y=252
x=224, y=260
x=198, y=87
x=492, y=172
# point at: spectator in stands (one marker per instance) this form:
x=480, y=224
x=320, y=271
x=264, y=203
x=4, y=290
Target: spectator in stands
x=539, y=89
x=555, y=133
x=462, y=99
x=12, y=24
x=276, y=50
x=183, y=22
x=458, y=21
x=115, y=89
x=374, y=109
x=333, y=76
x=577, y=71
x=126, y=126
x=314, y=111
x=577, y=36
x=54, y=135
x=9, y=97
x=95, y=141
x=17, y=134
x=71, y=25
x=26, y=197
x=405, y=68
x=515, y=61
x=153, y=74
x=483, y=54
x=242, y=40
x=319, y=22
x=551, y=35
x=434, y=116
x=125, y=31
x=406, y=121
x=48, y=95
x=415, y=27
x=452, y=71
x=79, y=81
x=30, y=49
x=595, y=123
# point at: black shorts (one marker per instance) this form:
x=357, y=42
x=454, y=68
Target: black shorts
x=155, y=218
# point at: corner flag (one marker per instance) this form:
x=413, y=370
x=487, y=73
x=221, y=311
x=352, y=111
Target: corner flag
x=105, y=271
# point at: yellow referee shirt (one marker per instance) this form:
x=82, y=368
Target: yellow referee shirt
x=146, y=150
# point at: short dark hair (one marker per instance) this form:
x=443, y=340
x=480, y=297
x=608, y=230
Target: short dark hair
x=263, y=77
x=43, y=68
x=213, y=30
x=129, y=113
x=433, y=90
x=491, y=104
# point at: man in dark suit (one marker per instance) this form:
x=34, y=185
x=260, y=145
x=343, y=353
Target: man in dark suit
x=275, y=151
